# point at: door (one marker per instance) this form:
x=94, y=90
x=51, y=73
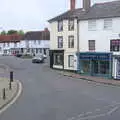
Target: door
x=95, y=69
x=118, y=69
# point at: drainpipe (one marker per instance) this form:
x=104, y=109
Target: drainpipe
x=78, y=42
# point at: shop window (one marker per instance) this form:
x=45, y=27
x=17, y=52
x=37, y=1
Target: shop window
x=58, y=59
x=44, y=51
x=71, y=42
x=104, y=67
x=71, y=61
x=60, y=26
x=91, y=45
x=92, y=25
x=36, y=50
x=71, y=25
x=115, y=45
x=60, y=42
x=85, y=66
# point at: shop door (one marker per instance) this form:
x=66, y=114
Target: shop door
x=118, y=69
x=95, y=69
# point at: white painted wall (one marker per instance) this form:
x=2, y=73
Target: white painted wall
x=65, y=33
x=101, y=36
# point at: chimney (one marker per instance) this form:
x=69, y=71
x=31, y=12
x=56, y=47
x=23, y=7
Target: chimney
x=86, y=4
x=72, y=4
x=46, y=29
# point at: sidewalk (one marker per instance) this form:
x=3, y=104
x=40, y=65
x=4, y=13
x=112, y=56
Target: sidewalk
x=91, y=78
x=10, y=94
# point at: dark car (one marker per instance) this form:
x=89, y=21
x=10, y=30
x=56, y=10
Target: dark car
x=38, y=59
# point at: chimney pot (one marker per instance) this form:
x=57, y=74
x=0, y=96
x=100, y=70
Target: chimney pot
x=72, y=4
x=86, y=4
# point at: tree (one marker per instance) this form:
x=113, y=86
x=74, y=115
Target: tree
x=21, y=32
x=3, y=32
x=10, y=32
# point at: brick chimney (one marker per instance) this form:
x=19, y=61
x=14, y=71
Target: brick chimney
x=86, y=4
x=72, y=4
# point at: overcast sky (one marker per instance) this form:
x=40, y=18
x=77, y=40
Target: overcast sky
x=32, y=14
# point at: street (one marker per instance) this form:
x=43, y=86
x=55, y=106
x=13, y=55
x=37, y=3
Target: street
x=47, y=95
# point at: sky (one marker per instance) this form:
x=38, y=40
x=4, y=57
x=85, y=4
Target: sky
x=32, y=15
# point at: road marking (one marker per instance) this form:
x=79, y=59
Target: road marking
x=87, y=113
x=97, y=110
x=92, y=117
x=14, y=100
x=80, y=115
x=113, y=110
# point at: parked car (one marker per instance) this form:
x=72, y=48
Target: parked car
x=18, y=55
x=38, y=59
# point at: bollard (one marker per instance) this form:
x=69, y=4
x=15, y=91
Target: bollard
x=10, y=86
x=4, y=94
x=11, y=76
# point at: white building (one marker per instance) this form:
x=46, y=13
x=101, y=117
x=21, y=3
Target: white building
x=31, y=43
x=64, y=42
x=99, y=35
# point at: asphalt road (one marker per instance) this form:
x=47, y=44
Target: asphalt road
x=47, y=95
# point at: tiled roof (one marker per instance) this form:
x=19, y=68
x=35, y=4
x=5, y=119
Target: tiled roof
x=37, y=35
x=69, y=14
x=10, y=38
x=103, y=10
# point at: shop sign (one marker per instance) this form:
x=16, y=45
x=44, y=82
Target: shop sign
x=94, y=56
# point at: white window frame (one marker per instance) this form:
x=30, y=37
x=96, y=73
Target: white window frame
x=71, y=41
x=60, y=41
x=71, y=24
x=71, y=61
x=108, y=24
x=60, y=25
x=92, y=25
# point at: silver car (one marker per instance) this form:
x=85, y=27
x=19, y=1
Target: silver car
x=38, y=59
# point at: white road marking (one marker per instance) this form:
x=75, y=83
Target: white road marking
x=87, y=113
x=80, y=115
x=97, y=110
x=14, y=100
x=92, y=117
x=113, y=110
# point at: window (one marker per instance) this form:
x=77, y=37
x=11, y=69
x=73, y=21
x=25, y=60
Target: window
x=44, y=51
x=8, y=44
x=60, y=42
x=115, y=45
x=15, y=44
x=71, y=61
x=34, y=41
x=71, y=42
x=3, y=44
x=91, y=45
x=60, y=26
x=92, y=25
x=71, y=24
x=58, y=59
x=107, y=24
x=39, y=42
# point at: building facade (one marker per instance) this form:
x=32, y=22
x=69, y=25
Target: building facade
x=64, y=42
x=100, y=40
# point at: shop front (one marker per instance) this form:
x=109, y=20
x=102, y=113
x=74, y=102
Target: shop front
x=95, y=64
x=56, y=59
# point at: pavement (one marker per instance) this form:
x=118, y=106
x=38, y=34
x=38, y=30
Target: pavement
x=91, y=78
x=9, y=94
x=48, y=95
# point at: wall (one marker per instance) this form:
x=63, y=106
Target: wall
x=101, y=36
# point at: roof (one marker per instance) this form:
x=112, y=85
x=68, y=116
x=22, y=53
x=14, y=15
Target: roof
x=69, y=14
x=37, y=35
x=103, y=10
x=10, y=38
